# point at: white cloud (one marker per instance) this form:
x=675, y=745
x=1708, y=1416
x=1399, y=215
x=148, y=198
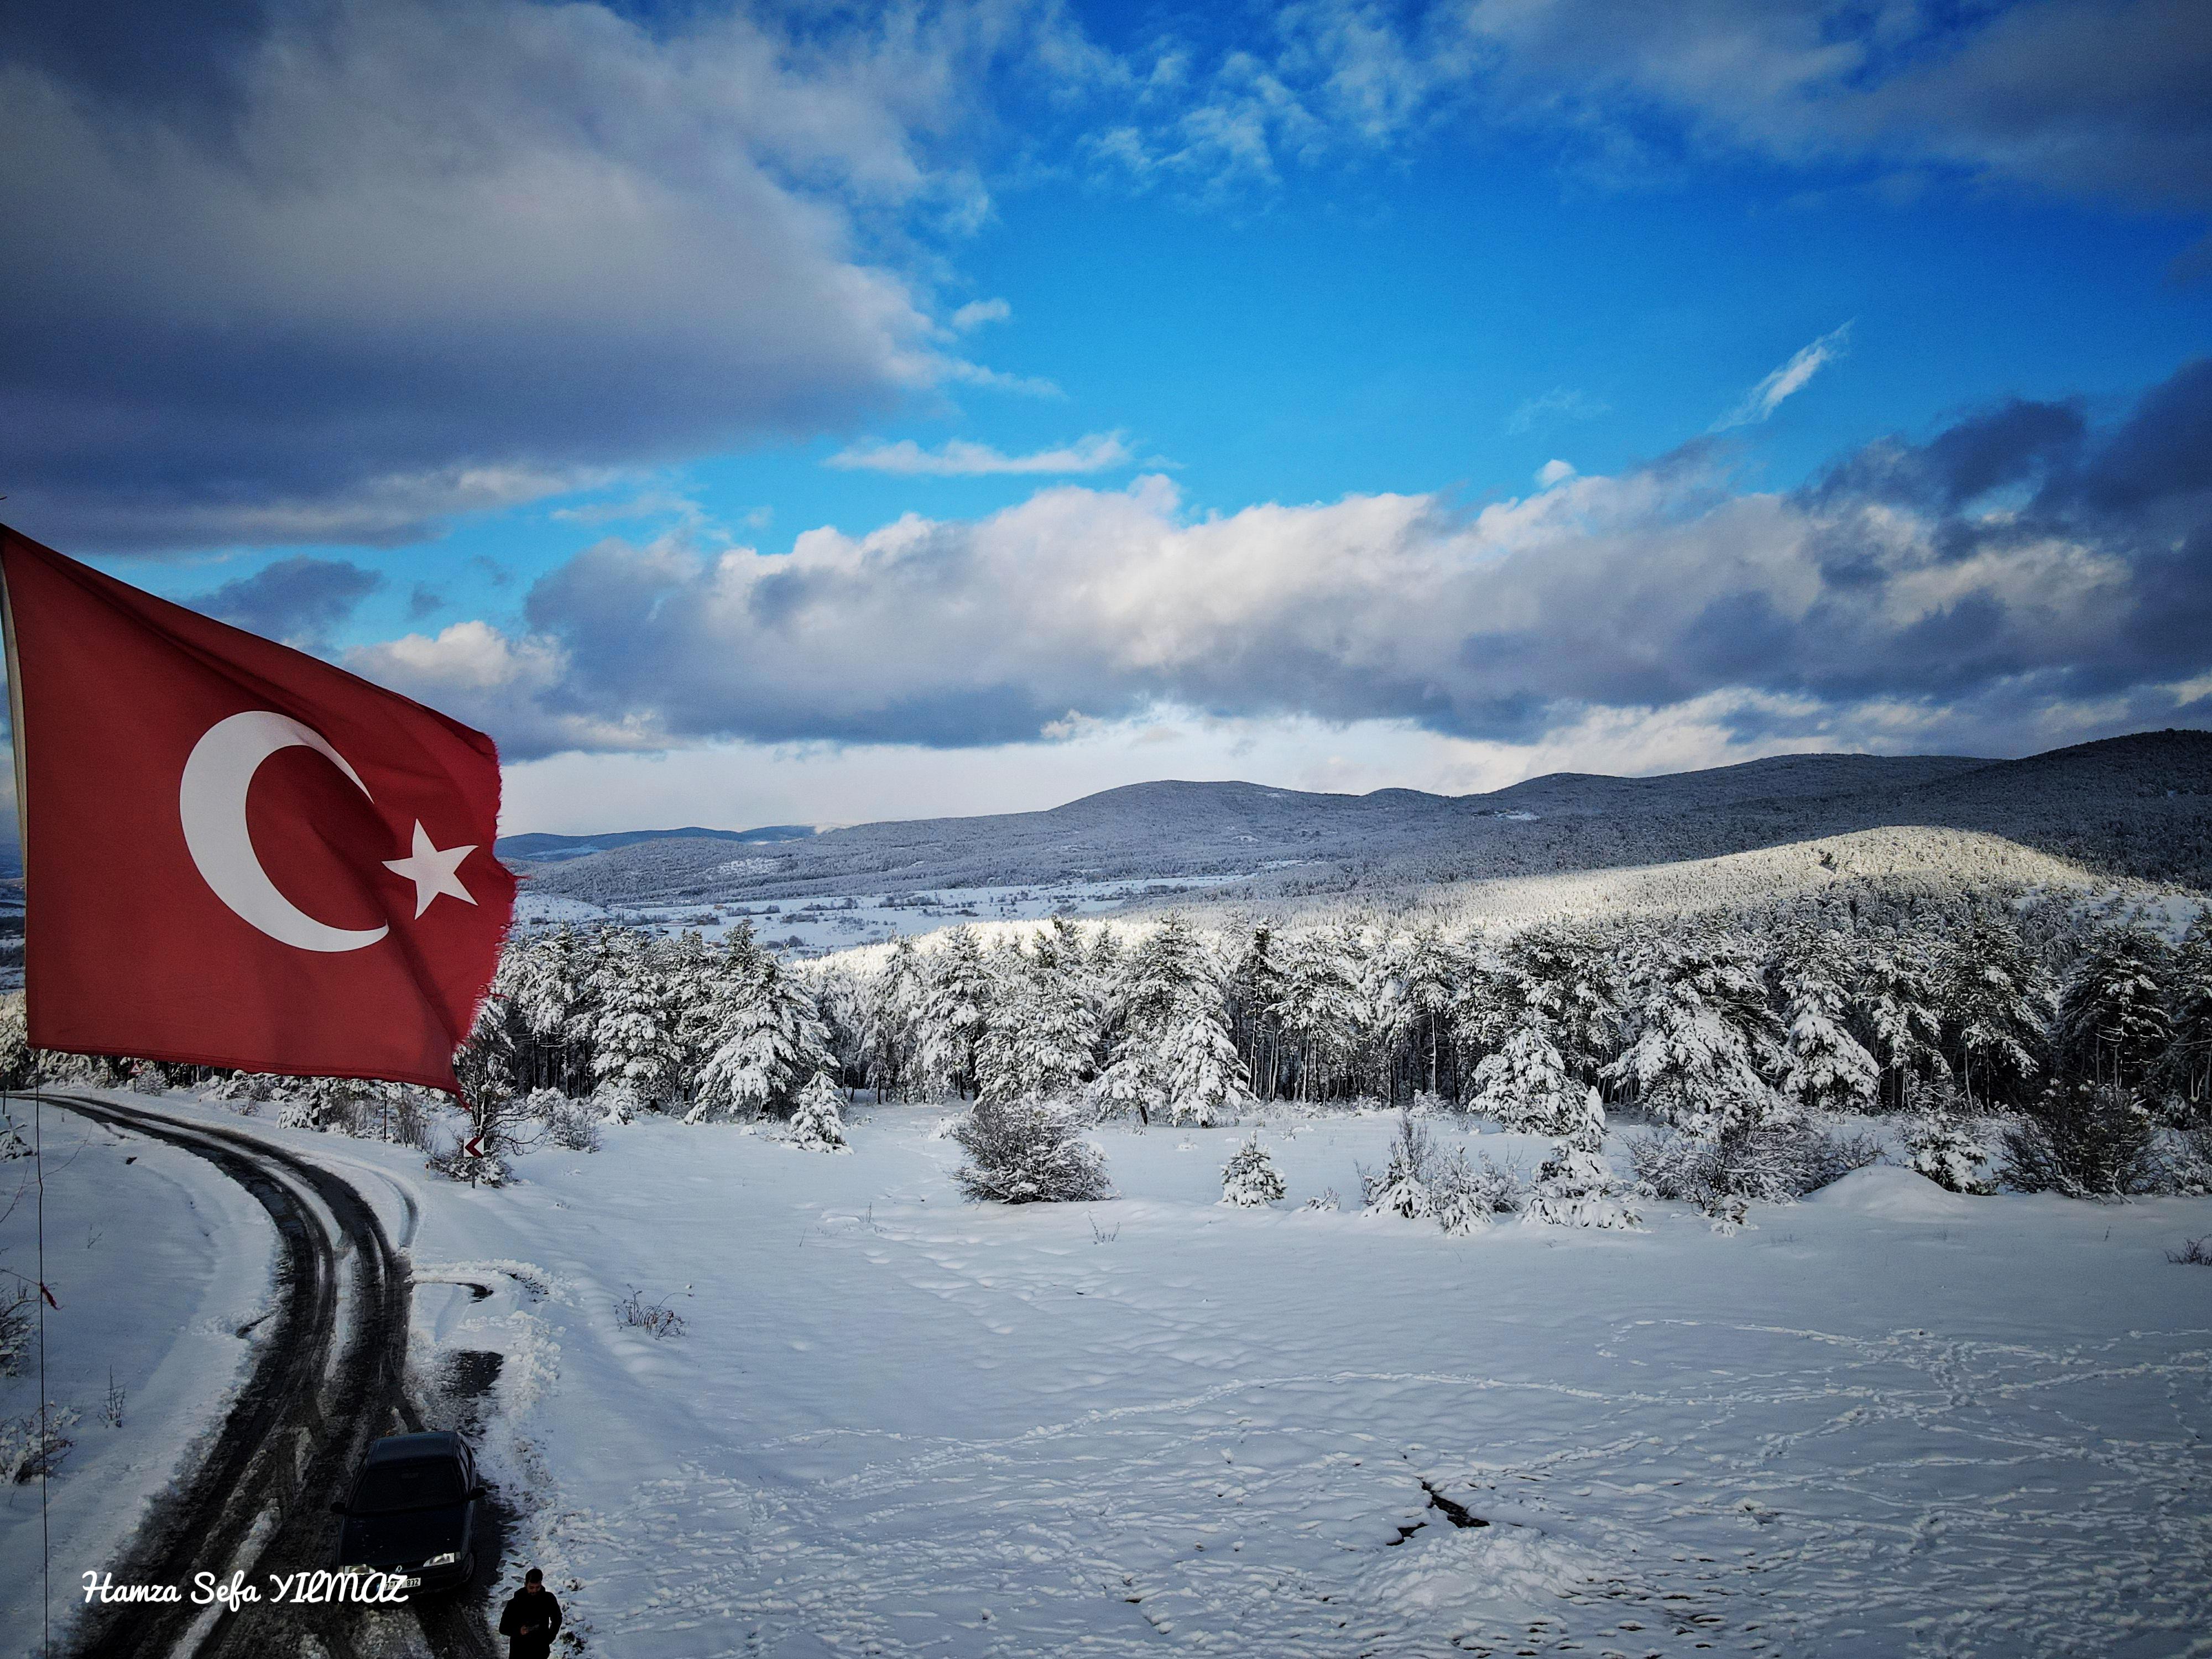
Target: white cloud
x=960, y=458
x=1762, y=399
x=976, y=312
x=1559, y=404
x=1555, y=472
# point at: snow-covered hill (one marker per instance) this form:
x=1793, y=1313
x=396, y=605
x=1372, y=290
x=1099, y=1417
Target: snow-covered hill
x=2139, y=805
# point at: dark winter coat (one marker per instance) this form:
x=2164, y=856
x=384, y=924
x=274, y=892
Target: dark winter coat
x=529, y=1622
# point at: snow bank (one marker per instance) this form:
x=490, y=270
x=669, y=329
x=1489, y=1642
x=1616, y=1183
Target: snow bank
x=1894, y=1193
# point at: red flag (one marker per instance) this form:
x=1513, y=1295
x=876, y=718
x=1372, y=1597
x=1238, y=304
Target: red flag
x=235, y=854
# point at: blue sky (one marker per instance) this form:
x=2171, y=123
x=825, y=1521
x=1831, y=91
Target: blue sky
x=817, y=414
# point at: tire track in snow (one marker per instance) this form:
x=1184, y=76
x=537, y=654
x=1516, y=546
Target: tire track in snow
x=328, y=1379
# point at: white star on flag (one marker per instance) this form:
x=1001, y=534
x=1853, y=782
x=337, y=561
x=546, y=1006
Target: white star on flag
x=432, y=870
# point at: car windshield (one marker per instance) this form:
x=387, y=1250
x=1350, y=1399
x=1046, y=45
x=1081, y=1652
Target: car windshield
x=420, y=1483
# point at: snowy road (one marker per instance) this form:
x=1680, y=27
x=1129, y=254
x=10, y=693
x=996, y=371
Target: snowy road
x=328, y=1379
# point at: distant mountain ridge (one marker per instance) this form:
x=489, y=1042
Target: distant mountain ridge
x=2140, y=805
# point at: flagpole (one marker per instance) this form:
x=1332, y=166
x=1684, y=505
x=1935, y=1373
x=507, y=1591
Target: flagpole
x=45, y=1450
x=38, y=1100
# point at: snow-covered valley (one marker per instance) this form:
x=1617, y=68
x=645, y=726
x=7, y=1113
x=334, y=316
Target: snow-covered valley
x=1885, y=1420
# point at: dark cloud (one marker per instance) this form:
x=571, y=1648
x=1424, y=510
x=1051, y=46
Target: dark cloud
x=296, y=599
x=334, y=272
x=424, y=601
x=163, y=58
x=2020, y=571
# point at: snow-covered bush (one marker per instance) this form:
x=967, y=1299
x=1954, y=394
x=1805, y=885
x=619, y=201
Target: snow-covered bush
x=2182, y=1164
x=1420, y=1183
x=1576, y=1187
x=616, y=1101
x=1028, y=1151
x=1465, y=1197
x=1401, y=1188
x=651, y=1315
x=1250, y=1178
x=2083, y=1139
x=572, y=1124
x=819, y=1123
x=1770, y=1165
x=15, y=1328
x=1940, y=1144
x=27, y=1452
x=1325, y=1200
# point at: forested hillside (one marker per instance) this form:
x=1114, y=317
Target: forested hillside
x=2138, y=806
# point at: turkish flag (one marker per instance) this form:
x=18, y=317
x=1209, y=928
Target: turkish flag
x=235, y=854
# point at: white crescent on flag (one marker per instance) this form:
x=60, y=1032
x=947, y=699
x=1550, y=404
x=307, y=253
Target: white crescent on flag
x=212, y=803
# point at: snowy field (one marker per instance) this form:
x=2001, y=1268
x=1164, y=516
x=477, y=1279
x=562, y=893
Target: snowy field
x=1884, y=1421
x=164, y=1274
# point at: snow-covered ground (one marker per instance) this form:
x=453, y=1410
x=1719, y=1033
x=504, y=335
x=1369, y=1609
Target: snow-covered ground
x=1885, y=1421
x=163, y=1270
x=811, y=925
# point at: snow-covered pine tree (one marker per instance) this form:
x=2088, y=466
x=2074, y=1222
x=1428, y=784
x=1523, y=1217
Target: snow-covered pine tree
x=1999, y=1004
x=1040, y=1038
x=1428, y=972
x=1318, y=1012
x=1256, y=986
x=892, y=1002
x=1172, y=1055
x=817, y=1122
x=1702, y=1041
x=1524, y=1084
x=547, y=980
x=1207, y=1080
x=1941, y=1145
x=634, y=1049
x=2185, y=1068
x=1826, y=1069
x=1576, y=1187
x=770, y=1044
x=1402, y=1187
x=1250, y=1179
x=1567, y=976
x=1898, y=1000
x=955, y=1004
x=2113, y=1024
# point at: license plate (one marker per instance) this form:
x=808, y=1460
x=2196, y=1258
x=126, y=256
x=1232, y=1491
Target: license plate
x=411, y=1584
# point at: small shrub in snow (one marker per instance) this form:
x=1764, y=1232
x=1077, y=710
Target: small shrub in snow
x=27, y=1452
x=1459, y=1201
x=1422, y=1184
x=1402, y=1188
x=818, y=1124
x=2182, y=1164
x=1028, y=1151
x=1250, y=1178
x=1576, y=1187
x=2083, y=1140
x=655, y=1317
x=1773, y=1164
x=15, y=1330
x=1950, y=1153
x=1327, y=1201
x=572, y=1124
x=617, y=1101
x=2194, y=1252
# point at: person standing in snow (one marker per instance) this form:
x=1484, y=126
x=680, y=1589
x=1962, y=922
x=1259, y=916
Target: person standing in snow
x=530, y=1620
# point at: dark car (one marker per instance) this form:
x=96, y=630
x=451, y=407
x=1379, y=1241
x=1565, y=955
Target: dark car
x=412, y=1512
